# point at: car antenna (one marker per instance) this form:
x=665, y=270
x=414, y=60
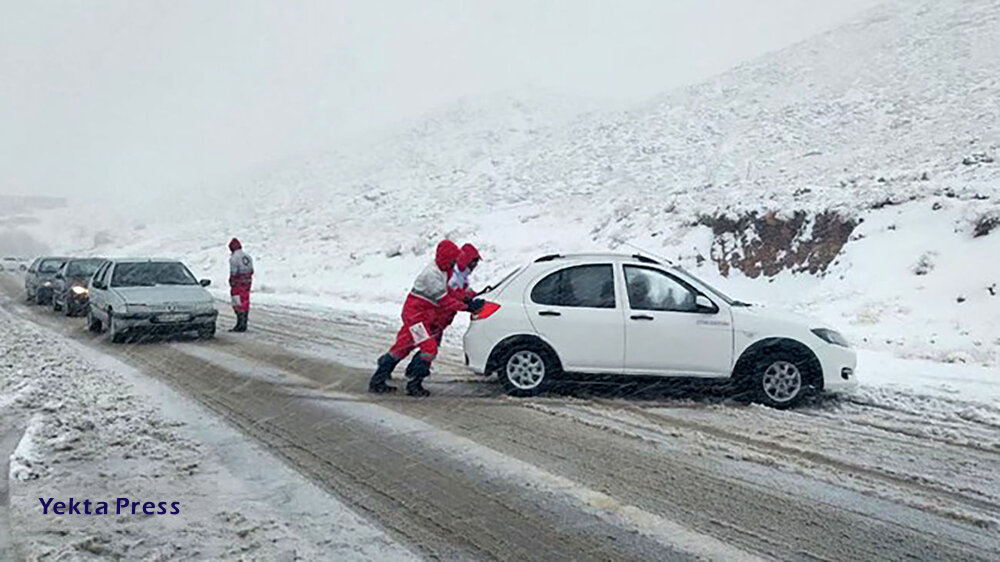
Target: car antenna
x=643, y=250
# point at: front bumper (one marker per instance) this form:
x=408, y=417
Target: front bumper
x=164, y=322
x=839, y=367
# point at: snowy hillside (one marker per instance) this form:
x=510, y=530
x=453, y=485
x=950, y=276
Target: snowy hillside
x=853, y=176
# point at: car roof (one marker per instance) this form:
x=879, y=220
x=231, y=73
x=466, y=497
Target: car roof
x=604, y=256
x=145, y=260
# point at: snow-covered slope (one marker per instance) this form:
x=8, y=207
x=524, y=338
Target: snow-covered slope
x=861, y=162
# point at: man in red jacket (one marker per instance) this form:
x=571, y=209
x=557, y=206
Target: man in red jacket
x=240, y=279
x=458, y=286
x=427, y=301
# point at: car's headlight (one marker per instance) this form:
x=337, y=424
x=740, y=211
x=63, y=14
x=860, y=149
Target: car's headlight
x=78, y=290
x=136, y=308
x=831, y=336
x=47, y=284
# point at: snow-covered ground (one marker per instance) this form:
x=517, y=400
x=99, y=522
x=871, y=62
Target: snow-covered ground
x=96, y=429
x=889, y=122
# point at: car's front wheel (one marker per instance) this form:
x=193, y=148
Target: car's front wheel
x=780, y=379
x=93, y=324
x=206, y=332
x=115, y=333
x=527, y=369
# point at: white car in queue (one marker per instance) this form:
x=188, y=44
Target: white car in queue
x=614, y=314
x=133, y=296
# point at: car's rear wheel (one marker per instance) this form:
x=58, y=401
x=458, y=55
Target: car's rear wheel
x=780, y=379
x=527, y=369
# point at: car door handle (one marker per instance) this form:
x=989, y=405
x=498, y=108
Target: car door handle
x=641, y=317
x=549, y=313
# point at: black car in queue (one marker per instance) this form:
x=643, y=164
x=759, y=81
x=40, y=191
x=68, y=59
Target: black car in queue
x=69, y=291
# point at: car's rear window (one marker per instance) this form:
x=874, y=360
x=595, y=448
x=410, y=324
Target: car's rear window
x=50, y=266
x=148, y=274
x=504, y=279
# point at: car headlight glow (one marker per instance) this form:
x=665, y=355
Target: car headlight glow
x=832, y=337
x=47, y=284
x=136, y=308
x=78, y=290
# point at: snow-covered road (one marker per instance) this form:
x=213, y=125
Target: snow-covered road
x=586, y=474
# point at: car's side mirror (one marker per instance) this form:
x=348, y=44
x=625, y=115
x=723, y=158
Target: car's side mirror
x=205, y=282
x=704, y=304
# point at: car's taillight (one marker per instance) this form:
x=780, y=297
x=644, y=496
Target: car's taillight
x=486, y=311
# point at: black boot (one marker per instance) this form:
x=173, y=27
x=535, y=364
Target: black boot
x=416, y=372
x=386, y=364
x=241, y=322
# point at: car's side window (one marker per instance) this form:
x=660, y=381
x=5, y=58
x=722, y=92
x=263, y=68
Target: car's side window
x=583, y=286
x=103, y=277
x=652, y=289
x=97, y=274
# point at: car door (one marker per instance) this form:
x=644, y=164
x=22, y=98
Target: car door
x=59, y=282
x=98, y=291
x=31, y=277
x=667, y=332
x=576, y=310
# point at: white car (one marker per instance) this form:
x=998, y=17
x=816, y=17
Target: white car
x=134, y=296
x=614, y=314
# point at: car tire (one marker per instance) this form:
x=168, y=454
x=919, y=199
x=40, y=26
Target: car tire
x=39, y=300
x=56, y=307
x=781, y=378
x=527, y=369
x=114, y=335
x=93, y=324
x=206, y=333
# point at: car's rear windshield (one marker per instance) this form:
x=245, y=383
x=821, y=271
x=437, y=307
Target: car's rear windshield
x=50, y=265
x=148, y=274
x=500, y=283
x=82, y=268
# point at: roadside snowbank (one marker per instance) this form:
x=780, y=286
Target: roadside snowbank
x=99, y=430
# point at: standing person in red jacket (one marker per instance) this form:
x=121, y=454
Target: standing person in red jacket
x=458, y=286
x=423, y=307
x=240, y=279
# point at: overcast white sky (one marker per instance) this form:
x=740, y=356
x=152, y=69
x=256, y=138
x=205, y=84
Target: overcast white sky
x=106, y=97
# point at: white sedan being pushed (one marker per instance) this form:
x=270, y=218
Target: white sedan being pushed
x=613, y=314
x=134, y=296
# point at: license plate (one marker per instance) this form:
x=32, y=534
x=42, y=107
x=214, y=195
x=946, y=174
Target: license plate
x=173, y=317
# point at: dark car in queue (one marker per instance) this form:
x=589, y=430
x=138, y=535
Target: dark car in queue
x=69, y=292
x=41, y=278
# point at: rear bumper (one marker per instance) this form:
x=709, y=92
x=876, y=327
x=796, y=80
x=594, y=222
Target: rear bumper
x=839, y=367
x=477, y=348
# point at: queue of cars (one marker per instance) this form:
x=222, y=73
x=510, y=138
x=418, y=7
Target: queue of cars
x=124, y=297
